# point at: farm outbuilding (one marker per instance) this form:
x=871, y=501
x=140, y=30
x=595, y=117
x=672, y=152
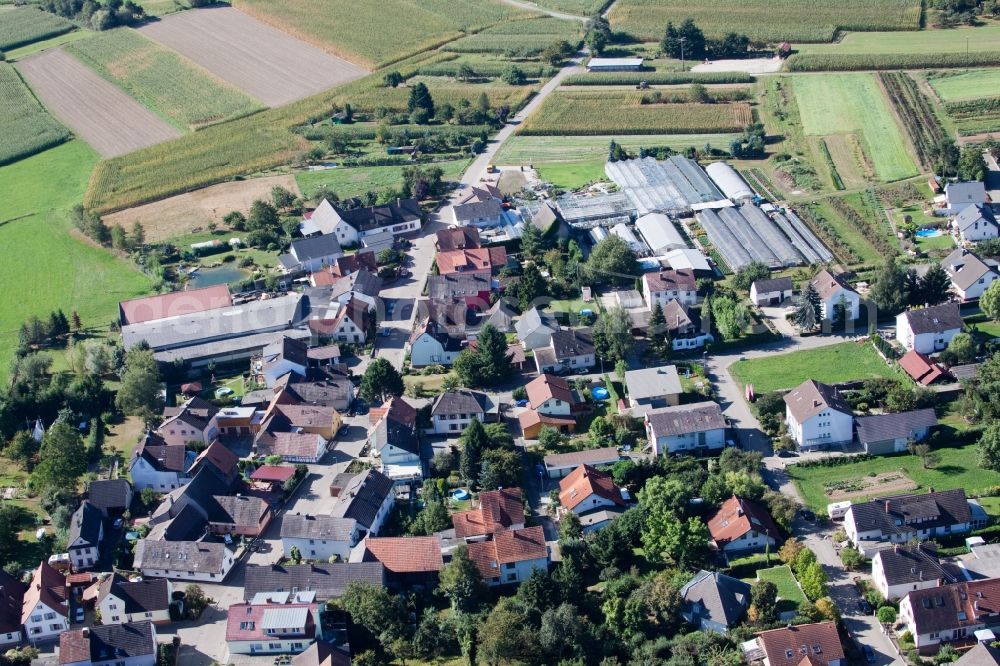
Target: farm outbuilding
x=634, y=244
x=802, y=237
x=672, y=186
x=660, y=233
x=729, y=181
x=746, y=234
x=584, y=212
x=614, y=64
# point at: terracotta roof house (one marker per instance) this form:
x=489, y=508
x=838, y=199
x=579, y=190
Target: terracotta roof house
x=352, y=263
x=714, y=602
x=558, y=465
x=550, y=394
x=457, y=238
x=408, y=561
x=368, y=498
x=324, y=581
x=122, y=601
x=319, y=537
x=219, y=460
x=498, y=510
x=970, y=275
x=346, y=322
x=587, y=489
x=740, y=526
x=880, y=523
x=892, y=433
x=532, y=422
x=112, y=497
x=298, y=433
x=899, y=570
x=920, y=368
x=271, y=628
x=162, y=306
x=668, y=284
x=803, y=645
x=453, y=411
x=45, y=605
x=928, y=330
x=133, y=643
x=472, y=261
x=11, y=603
x=833, y=291
x=817, y=416
x=568, y=350
x=694, y=428
x=321, y=653
x=395, y=440
x=950, y=612
x=511, y=556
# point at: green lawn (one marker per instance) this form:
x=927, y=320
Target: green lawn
x=925, y=41
x=984, y=325
x=837, y=363
x=789, y=593
x=854, y=103
x=355, y=181
x=958, y=469
x=954, y=86
x=35, y=47
x=45, y=267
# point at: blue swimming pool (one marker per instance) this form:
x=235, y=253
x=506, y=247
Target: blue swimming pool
x=928, y=233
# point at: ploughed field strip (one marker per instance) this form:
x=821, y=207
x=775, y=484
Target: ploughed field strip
x=100, y=113
x=264, y=62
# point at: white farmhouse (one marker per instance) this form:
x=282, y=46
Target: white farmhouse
x=928, y=330
x=453, y=411
x=45, y=607
x=183, y=560
x=319, y=537
x=121, y=601
x=904, y=568
x=976, y=223
x=970, y=275
x=511, y=556
x=696, y=428
x=833, y=291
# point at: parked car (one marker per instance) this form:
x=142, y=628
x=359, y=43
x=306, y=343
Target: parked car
x=78, y=615
x=118, y=523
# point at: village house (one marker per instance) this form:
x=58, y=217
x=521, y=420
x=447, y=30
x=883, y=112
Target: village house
x=367, y=498
x=834, y=292
x=798, y=645
x=394, y=440
x=325, y=581
x=193, y=421
x=433, y=343
x=472, y=261
x=559, y=465
x=928, y=330
x=239, y=515
x=652, y=388
x=328, y=388
x=362, y=285
x=511, y=556
x=112, y=497
x=319, y=537
x=959, y=196
x=883, y=522
x=593, y=496
x=535, y=329
x=202, y=561
x=11, y=603
x=695, y=428
x=45, y=606
x=298, y=433
x=817, y=416
x=683, y=331
x=975, y=223
x=569, y=350
x=121, y=601
x=130, y=644
x=159, y=466
x=552, y=403
x=410, y=562
x=220, y=461
x=970, y=275
x=271, y=628
x=771, y=291
x=85, y=533
x=453, y=411
x=473, y=288
x=904, y=568
x=310, y=254
x=280, y=358
x=457, y=238
x=342, y=322
x=498, y=510
x=950, y=612
x=668, y=284
x=712, y=601
x=880, y=434
x=741, y=526
x=478, y=206
x=351, y=226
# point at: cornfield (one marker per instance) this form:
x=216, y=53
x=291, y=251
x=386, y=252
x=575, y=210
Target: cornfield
x=766, y=20
x=29, y=24
x=587, y=113
x=26, y=127
x=808, y=62
x=521, y=39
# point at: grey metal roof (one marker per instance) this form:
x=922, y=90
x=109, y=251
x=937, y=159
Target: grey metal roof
x=684, y=419
x=713, y=596
x=881, y=427
x=935, y=319
x=653, y=382
x=328, y=581
x=281, y=618
x=298, y=526
x=219, y=324
x=246, y=344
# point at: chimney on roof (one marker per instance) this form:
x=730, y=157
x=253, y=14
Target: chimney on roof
x=887, y=506
x=85, y=632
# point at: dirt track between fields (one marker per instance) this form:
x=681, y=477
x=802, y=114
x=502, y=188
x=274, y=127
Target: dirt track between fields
x=97, y=111
x=262, y=61
x=193, y=211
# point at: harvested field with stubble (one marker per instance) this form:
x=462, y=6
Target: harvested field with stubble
x=97, y=111
x=256, y=58
x=193, y=211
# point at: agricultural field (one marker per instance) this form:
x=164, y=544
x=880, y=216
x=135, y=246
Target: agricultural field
x=846, y=361
x=355, y=181
x=915, y=112
x=261, y=61
x=766, y=20
x=38, y=193
x=26, y=25
x=969, y=99
x=579, y=7
x=163, y=7
x=97, y=111
x=958, y=40
x=520, y=39
x=174, y=88
x=872, y=478
x=25, y=126
x=832, y=104
x=443, y=90
x=374, y=38
x=601, y=113
x=45, y=44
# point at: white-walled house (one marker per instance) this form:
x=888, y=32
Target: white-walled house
x=86, y=531
x=159, y=466
x=349, y=227
x=550, y=395
x=695, y=428
x=950, y=612
x=432, y=344
x=833, y=291
x=900, y=519
x=45, y=606
x=319, y=537
x=271, y=628
x=976, y=223
x=511, y=556
x=905, y=568
x=183, y=560
x=130, y=644
x=368, y=498
x=928, y=330
x=970, y=275
x=666, y=285
x=453, y=411
x=817, y=416
x=741, y=526
x=771, y=292
x=121, y=601
x=569, y=349
x=194, y=421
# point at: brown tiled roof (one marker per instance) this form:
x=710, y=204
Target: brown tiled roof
x=589, y=457
x=49, y=587
x=790, y=645
x=585, y=481
x=470, y=260
x=498, y=510
x=396, y=409
x=274, y=473
x=825, y=283
x=322, y=653
x=811, y=397
x=530, y=417
x=738, y=516
x=405, y=554
x=507, y=547
x=241, y=511
x=217, y=454
x=151, y=308
x=547, y=386
x=457, y=238
x=288, y=444
x=684, y=419
x=920, y=368
x=671, y=280
x=11, y=601
x=106, y=643
x=163, y=457
x=955, y=606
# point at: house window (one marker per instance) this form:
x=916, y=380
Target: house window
x=56, y=627
x=36, y=618
x=511, y=577
x=50, y=616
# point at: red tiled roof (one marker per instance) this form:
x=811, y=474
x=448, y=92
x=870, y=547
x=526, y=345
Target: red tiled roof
x=245, y=621
x=547, y=386
x=49, y=587
x=530, y=417
x=507, y=547
x=217, y=454
x=738, y=516
x=920, y=368
x=273, y=473
x=405, y=554
x=585, y=481
x=174, y=304
x=74, y=647
x=498, y=510
x=397, y=410
x=820, y=641
x=471, y=260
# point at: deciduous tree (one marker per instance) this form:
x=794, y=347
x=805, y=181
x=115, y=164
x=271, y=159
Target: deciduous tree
x=380, y=382
x=460, y=582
